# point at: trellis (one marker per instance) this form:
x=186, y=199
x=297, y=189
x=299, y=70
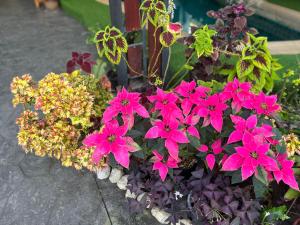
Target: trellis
x=138, y=53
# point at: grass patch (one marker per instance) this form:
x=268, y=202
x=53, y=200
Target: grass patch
x=292, y=4
x=89, y=12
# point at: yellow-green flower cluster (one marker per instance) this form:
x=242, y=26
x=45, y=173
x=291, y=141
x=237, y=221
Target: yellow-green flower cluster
x=292, y=144
x=63, y=106
x=23, y=90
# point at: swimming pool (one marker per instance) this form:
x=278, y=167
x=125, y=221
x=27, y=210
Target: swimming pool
x=194, y=11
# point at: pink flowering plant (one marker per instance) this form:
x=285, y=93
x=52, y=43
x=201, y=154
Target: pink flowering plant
x=228, y=132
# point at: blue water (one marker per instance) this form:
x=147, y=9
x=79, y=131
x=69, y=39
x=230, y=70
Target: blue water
x=194, y=12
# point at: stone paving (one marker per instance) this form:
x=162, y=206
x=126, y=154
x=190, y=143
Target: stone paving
x=38, y=191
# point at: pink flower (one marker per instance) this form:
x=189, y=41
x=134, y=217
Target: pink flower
x=216, y=148
x=263, y=104
x=111, y=140
x=174, y=28
x=163, y=168
x=212, y=111
x=262, y=134
x=249, y=157
x=192, y=95
x=166, y=103
x=241, y=125
x=127, y=104
x=168, y=130
x=190, y=122
x=238, y=92
x=286, y=173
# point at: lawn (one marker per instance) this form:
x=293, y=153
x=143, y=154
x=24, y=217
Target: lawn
x=292, y=4
x=89, y=12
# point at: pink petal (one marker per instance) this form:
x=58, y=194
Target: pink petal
x=142, y=111
x=153, y=132
x=242, y=151
x=235, y=136
x=193, y=131
x=268, y=163
x=186, y=106
x=206, y=122
x=163, y=172
x=96, y=157
x=217, y=122
x=247, y=169
x=172, y=163
x=128, y=120
x=203, y=148
x=109, y=114
x=172, y=148
x=277, y=176
x=263, y=149
x=233, y=162
x=251, y=122
x=92, y=140
x=203, y=112
x=217, y=147
x=290, y=180
x=236, y=119
x=158, y=156
x=122, y=157
x=179, y=137
x=210, y=159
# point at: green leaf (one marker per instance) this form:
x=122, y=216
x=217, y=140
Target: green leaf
x=195, y=142
x=259, y=188
x=244, y=67
x=188, y=67
x=236, y=177
x=291, y=194
x=262, y=61
x=275, y=214
x=269, y=84
x=114, y=58
x=262, y=175
x=167, y=39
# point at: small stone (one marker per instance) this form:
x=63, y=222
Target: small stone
x=184, y=222
x=160, y=215
x=115, y=175
x=122, y=183
x=140, y=197
x=130, y=194
x=103, y=173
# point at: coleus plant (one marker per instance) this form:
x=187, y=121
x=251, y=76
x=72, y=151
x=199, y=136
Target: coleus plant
x=111, y=43
x=81, y=60
x=249, y=56
x=190, y=121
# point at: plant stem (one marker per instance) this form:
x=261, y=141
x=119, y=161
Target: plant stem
x=150, y=61
x=168, y=64
x=181, y=69
x=227, y=53
x=156, y=61
x=132, y=68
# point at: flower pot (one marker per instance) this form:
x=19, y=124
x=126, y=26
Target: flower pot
x=52, y=5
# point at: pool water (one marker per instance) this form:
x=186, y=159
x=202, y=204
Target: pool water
x=194, y=12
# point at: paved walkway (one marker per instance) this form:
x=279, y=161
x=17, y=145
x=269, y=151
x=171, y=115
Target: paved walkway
x=38, y=191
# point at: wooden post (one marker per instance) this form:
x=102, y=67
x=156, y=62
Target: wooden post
x=133, y=23
x=117, y=21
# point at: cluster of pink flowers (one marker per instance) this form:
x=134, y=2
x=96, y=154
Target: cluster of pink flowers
x=174, y=117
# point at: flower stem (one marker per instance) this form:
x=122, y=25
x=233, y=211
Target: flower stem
x=132, y=68
x=168, y=64
x=180, y=70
